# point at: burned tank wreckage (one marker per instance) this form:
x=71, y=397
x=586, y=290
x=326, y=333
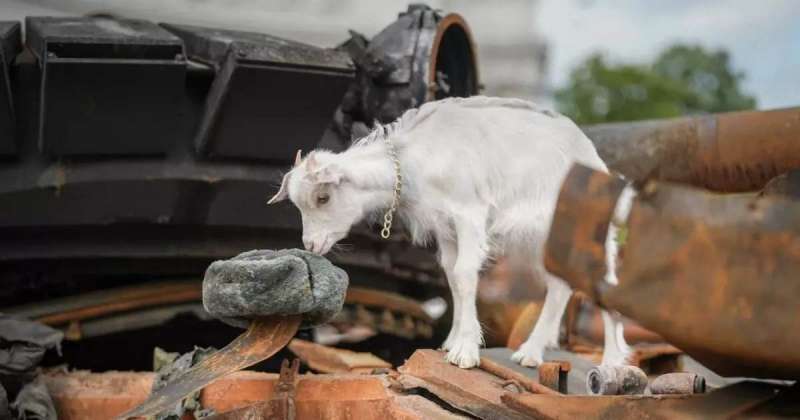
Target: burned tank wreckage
x=134, y=153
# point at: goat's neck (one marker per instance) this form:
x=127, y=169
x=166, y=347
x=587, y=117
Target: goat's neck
x=370, y=168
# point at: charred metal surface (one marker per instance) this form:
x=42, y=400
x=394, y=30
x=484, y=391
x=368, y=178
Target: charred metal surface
x=108, y=87
x=261, y=340
x=576, y=246
x=420, y=57
x=260, y=104
x=731, y=152
x=712, y=274
x=10, y=45
x=145, y=204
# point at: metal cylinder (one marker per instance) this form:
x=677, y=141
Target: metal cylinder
x=616, y=380
x=730, y=152
x=678, y=383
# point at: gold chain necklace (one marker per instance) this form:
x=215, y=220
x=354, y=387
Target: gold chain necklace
x=388, y=217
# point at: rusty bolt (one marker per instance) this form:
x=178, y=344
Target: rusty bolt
x=678, y=383
x=616, y=380
x=554, y=375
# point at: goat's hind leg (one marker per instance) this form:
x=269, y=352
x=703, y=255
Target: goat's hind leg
x=545, y=333
x=616, y=351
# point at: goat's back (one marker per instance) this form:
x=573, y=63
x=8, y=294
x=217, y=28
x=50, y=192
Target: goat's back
x=505, y=153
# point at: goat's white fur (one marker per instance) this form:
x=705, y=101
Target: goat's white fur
x=481, y=177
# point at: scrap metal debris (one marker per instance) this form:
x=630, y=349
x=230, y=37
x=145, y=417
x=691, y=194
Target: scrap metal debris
x=422, y=56
x=281, y=406
x=742, y=400
x=473, y=391
x=414, y=394
x=326, y=359
x=33, y=402
x=168, y=366
x=715, y=275
x=262, y=339
x=23, y=344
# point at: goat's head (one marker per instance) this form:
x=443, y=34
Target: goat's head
x=329, y=204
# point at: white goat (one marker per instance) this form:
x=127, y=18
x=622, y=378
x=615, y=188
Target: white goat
x=481, y=177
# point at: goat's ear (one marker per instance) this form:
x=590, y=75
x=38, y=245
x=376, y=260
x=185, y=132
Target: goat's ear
x=283, y=192
x=311, y=163
x=298, y=158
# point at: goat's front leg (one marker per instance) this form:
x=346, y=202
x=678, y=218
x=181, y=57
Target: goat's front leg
x=467, y=336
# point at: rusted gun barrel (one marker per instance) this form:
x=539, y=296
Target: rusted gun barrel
x=714, y=274
x=730, y=152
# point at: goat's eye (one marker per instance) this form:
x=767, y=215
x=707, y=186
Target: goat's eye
x=323, y=198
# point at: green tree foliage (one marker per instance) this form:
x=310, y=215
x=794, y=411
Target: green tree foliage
x=682, y=80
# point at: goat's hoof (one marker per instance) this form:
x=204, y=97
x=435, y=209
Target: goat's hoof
x=527, y=359
x=464, y=355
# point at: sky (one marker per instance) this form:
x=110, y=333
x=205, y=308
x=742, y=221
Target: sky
x=763, y=37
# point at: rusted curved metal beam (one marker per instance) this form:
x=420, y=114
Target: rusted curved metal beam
x=730, y=152
x=261, y=340
x=411, y=320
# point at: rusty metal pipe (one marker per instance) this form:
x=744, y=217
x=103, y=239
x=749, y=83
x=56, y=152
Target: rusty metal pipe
x=730, y=152
x=714, y=274
x=501, y=371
